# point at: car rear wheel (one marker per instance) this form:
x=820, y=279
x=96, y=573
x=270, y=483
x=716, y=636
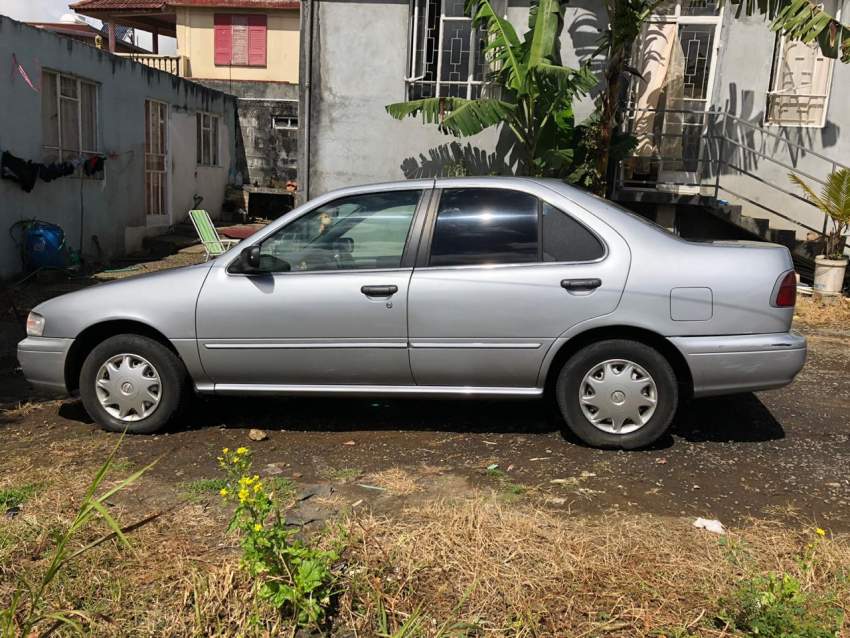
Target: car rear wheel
x=617, y=394
x=133, y=383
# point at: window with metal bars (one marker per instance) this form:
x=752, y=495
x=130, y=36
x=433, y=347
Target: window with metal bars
x=69, y=117
x=446, y=57
x=800, y=84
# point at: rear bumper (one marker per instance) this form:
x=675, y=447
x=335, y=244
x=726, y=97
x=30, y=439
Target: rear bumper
x=42, y=360
x=742, y=363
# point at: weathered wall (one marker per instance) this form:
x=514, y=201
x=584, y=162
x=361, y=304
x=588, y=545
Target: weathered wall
x=195, y=40
x=112, y=208
x=266, y=156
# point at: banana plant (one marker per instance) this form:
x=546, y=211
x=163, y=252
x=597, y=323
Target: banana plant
x=535, y=92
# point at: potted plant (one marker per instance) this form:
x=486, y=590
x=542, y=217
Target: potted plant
x=834, y=201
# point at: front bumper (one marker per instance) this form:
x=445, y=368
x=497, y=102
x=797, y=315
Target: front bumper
x=728, y=364
x=42, y=360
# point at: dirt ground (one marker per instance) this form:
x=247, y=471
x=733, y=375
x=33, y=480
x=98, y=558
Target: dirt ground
x=780, y=454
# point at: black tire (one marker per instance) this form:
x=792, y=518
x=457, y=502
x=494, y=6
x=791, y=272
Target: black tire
x=169, y=367
x=572, y=373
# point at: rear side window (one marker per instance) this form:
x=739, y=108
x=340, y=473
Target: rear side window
x=485, y=226
x=564, y=239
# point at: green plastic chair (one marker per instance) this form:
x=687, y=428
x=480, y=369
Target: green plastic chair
x=213, y=244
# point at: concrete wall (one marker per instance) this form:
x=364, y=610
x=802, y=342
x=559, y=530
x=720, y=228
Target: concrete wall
x=266, y=156
x=741, y=85
x=110, y=209
x=195, y=40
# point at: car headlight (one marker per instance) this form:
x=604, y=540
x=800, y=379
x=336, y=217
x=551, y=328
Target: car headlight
x=35, y=325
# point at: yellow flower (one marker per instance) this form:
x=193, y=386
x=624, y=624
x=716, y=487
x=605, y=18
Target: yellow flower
x=820, y=532
x=242, y=450
x=258, y=487
x=223, y=491
x=225, y=450
x=243, y=495
x=258, y=527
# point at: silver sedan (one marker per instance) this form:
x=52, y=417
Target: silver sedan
x=470, y=287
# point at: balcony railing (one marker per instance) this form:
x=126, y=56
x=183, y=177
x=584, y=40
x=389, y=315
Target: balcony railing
x=173, y=64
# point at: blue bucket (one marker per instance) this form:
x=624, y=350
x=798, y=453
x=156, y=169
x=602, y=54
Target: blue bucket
x=44, y=246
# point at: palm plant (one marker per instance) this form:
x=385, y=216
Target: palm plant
x=537, y=92
x=834, y=201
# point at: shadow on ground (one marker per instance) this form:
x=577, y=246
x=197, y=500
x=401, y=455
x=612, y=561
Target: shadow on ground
x=740, y=418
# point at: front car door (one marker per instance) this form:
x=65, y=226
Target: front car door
x=502, y=272
x=329, y=306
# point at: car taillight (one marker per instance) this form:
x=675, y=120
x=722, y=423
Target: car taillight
x=786, y=296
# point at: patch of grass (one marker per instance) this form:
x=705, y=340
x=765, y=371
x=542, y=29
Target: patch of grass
x=204, y=487
x=282, y=488
x=777, y=606
x=16, y=496
x=343, y=474
x=509, y=490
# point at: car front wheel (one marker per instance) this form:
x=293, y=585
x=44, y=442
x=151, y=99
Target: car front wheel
x=617, y=394
x=133, y=383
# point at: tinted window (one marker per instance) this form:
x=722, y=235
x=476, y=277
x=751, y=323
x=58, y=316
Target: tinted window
x=361, y=231
x=564, y=239
x=484, y=226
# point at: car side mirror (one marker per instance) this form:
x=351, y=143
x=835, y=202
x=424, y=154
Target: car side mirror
x=251, y=258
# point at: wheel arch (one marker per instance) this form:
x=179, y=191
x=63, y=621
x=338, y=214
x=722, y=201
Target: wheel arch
x=85, y=342
x=652, y=339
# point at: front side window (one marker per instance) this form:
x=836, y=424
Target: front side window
x=799, y=85
x=357, y=232
x=207, y=139
x=446, y=57
x=69, y=117
x=477, y=226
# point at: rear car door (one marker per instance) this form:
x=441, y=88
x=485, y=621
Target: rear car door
x=501, y=273
x=329, y=306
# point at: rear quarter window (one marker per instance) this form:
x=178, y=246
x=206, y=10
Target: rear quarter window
x=565, y=239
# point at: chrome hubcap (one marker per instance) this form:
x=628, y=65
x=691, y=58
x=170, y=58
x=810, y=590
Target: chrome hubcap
x=618, y=396
x=128, y=387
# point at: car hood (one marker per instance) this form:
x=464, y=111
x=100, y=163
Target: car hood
x=163, y=300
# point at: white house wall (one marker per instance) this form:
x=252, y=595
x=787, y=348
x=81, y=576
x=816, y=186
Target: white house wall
x=112, y=209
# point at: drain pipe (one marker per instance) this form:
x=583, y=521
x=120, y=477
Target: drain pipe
x=306, y=75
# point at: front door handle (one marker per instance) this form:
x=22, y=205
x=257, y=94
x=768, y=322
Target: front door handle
x=379, y=291
x=580, y=284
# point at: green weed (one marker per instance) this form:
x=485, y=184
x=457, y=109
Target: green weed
x=16, y=496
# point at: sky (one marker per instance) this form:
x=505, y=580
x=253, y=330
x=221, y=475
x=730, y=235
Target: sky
x=52, y=10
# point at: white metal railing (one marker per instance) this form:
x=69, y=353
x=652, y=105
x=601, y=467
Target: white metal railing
x=168, y=63
x=726, y=146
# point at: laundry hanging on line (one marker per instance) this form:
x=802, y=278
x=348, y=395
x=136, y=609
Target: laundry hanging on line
x=26, y=172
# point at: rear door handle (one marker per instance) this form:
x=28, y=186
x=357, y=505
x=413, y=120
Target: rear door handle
x=580, y=284
x=379, y=291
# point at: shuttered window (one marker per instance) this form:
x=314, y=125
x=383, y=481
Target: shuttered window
x=799, y=86
x=240, y=39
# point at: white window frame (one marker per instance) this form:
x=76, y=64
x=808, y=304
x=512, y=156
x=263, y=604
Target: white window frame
x=206, y=138
x=59, y=150
x=412, y=78
x=773, y=92
x=287, y=122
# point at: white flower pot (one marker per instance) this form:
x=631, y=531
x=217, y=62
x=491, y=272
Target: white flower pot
x=829, y=274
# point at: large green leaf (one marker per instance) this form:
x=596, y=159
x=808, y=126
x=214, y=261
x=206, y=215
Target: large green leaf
x=503, y=47
x=544, y=32
x=455, y=115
